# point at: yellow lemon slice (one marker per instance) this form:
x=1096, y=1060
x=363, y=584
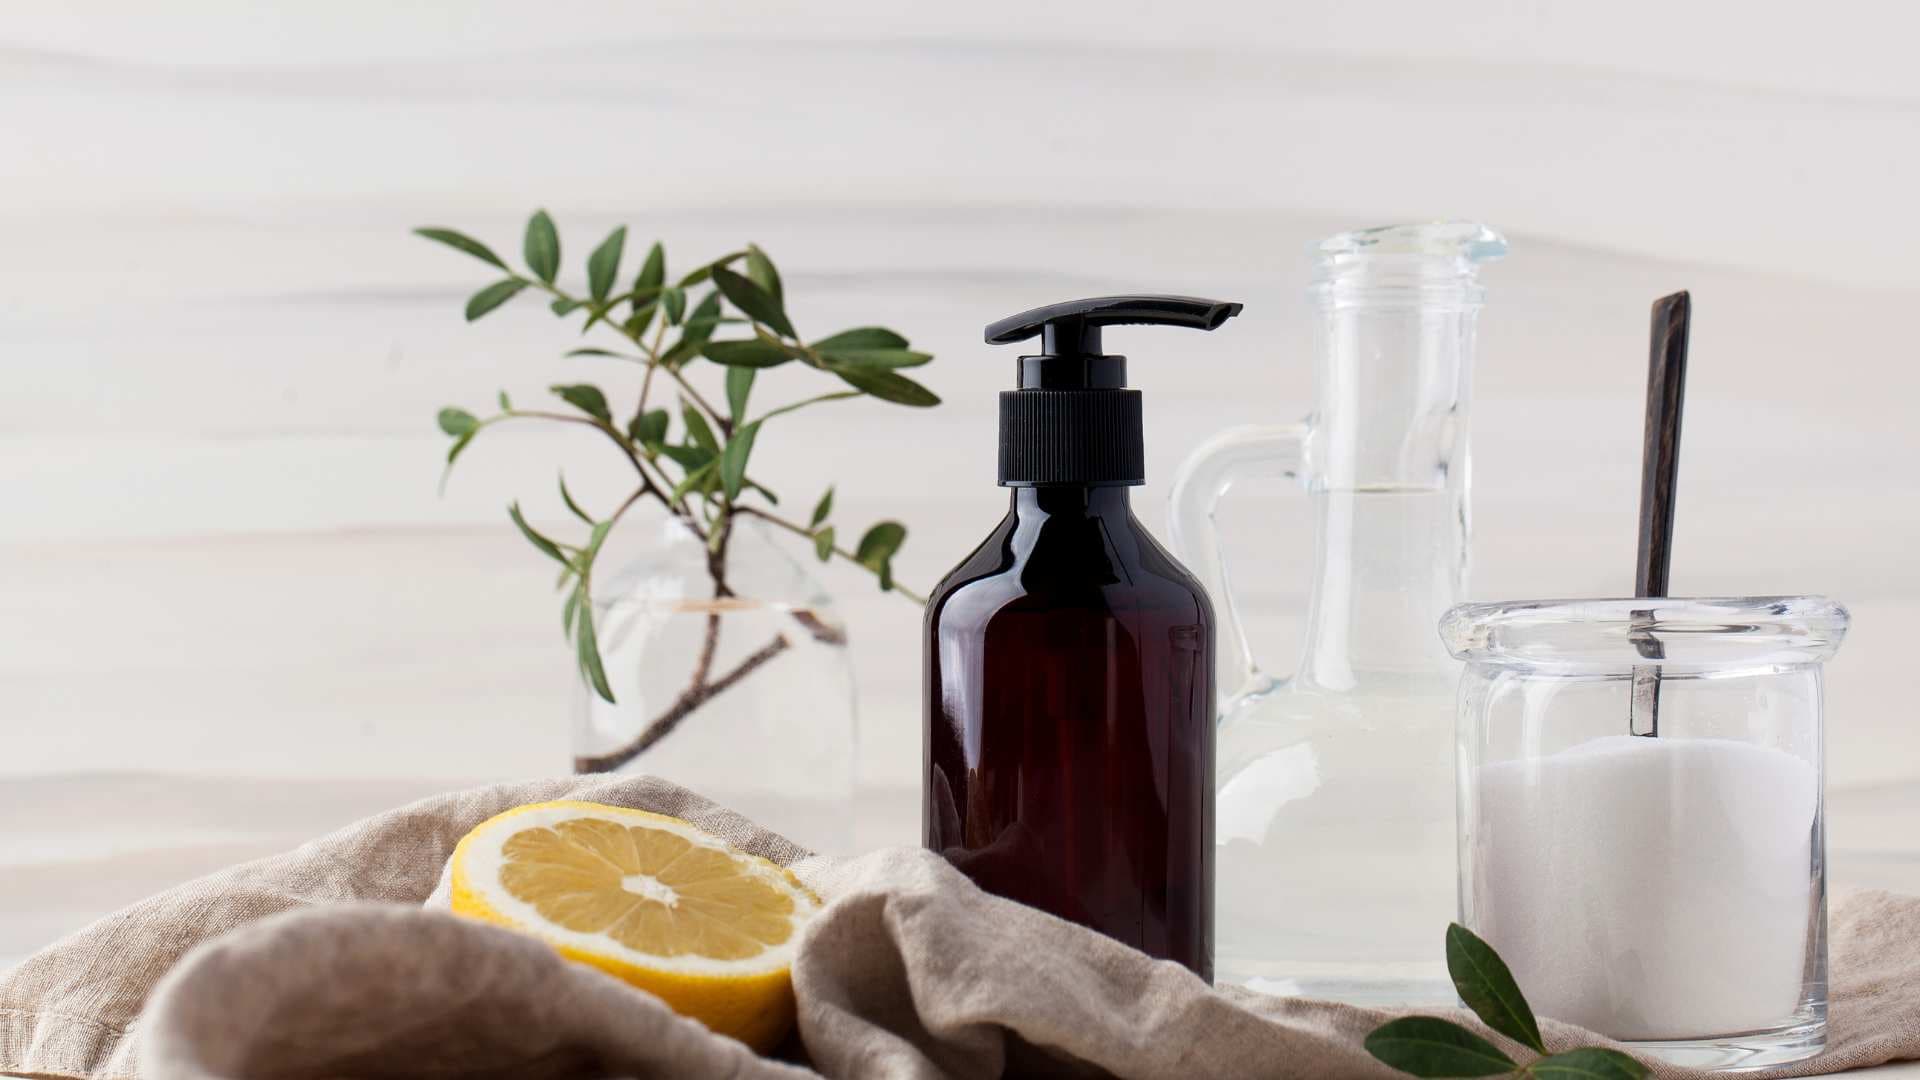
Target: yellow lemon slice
x=650, y=899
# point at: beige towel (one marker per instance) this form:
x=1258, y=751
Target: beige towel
x=323, y=963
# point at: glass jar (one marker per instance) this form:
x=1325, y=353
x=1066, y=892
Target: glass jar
x=745, y=697
x=1641, y=836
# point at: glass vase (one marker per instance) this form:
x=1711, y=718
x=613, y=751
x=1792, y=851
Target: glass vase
x=735, y=684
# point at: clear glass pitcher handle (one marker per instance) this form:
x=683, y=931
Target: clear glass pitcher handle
x=1213, y=467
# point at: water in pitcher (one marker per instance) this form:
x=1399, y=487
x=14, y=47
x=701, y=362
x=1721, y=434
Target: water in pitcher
x=1335, y=814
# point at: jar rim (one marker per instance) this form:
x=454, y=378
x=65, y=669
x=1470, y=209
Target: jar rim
x=1619, y=634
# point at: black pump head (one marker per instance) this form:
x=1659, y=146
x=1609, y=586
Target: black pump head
x=1072, y=421
x=1070, y=356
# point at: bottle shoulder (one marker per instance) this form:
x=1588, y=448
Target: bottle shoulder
x=1115, y=569
x=990, y=559
x=1157, y=560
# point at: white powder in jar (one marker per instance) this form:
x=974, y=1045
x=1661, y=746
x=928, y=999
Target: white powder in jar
x=1649, y=888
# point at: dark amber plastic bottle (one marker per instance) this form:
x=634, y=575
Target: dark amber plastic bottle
x=1069, y=664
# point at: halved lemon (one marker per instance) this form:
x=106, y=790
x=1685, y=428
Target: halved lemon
x=650, y=899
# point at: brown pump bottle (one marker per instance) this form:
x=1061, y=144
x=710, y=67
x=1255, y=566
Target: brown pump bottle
x=1069, y=661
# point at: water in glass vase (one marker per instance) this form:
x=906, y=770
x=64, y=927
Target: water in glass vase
x=745, y=699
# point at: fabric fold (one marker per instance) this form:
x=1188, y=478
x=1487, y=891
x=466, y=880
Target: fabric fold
x=331, y=960
x=392, y=992
x=72, y=1009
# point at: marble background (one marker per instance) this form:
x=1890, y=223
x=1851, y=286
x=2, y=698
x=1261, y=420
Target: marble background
x=233, y=610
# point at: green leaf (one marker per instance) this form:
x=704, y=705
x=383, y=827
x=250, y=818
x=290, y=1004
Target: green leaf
x=673, y=302
x=697, y=427
x=457, y=421
x=462, y=242
x=506, y=403
x=745, y=354
x=564, y=306
x=704, y=273
x=649, y=429
x=599, y=352
x=1428, y=1046
x=453, y=454
x=1588, y=1063
x=695, y=479
x=862, y=337
x=588, y=399
x=583, y=562
x=1487, y=987
x=604, y=263
x=876, y=548
x=653, y=272
x=542, y=247
x=765, y=491
x=877, y=358
x=459, y=444
x=642, y=318
x=567, y=613
x=760, y=271
x=823, y=543
x=567, y=497
x=739, y=385
x=551, y=549
x=821, y=509
x=733, y=460
x=887, y=386
x=752, y=301
x=588, y=645
x=492, y=297
x=698, y=321
x=821, y=399
x=599, y=536
x=687, y=457
x=697, y=331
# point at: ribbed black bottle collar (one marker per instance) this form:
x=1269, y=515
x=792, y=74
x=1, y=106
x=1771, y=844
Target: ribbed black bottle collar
x=1087, y=437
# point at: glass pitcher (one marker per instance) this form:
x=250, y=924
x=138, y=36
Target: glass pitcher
x=1335, y=791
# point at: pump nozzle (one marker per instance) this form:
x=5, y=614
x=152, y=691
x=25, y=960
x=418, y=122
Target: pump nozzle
x=1071, y=330
x=1074, y=326
x=1072, y=421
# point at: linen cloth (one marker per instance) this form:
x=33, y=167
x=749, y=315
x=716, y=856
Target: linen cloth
x=329, y=961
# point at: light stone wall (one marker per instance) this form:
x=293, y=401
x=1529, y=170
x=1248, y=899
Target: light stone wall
x=221, y=553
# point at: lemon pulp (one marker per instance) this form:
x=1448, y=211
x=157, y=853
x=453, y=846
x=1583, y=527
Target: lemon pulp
x=650, y=899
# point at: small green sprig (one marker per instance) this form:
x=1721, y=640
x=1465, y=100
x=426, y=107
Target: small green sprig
x=699, y=472
x=1428, y=1046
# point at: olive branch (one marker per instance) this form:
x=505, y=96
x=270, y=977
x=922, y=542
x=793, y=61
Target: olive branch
x=699, y=473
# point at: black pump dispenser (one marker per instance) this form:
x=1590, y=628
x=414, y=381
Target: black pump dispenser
x=1073, y=421
x=1069, y=691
